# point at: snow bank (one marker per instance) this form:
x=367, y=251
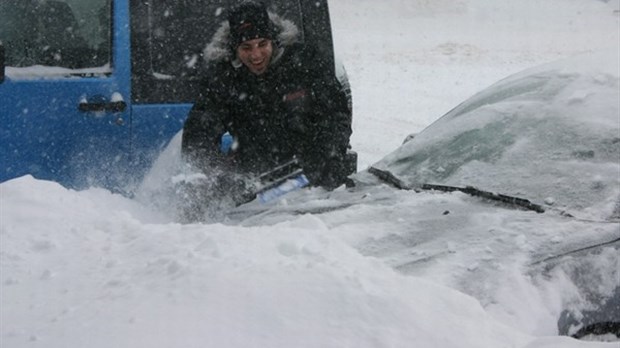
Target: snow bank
x=79, y=269
x=88, y=269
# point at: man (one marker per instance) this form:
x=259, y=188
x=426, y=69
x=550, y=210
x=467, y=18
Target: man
x=275, y=97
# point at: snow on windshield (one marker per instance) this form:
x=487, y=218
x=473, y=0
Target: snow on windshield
x=550, y=135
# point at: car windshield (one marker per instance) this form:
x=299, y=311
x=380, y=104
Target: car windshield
x=550, y=135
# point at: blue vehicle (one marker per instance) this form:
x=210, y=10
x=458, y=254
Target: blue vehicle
x=92, y=90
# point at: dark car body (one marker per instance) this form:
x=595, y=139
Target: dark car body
x=515, y=189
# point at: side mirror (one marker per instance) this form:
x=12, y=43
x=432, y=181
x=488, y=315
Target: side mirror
x=1, y=62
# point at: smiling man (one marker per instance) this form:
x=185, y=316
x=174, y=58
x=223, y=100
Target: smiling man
x=277, y=98
x=255, y=54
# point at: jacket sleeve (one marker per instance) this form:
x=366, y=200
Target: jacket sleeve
x=204, y=128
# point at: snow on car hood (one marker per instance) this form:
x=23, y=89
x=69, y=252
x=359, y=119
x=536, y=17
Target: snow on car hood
x=549, y=134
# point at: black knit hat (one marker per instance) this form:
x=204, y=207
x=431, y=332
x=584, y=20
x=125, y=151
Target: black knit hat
x=249, y=20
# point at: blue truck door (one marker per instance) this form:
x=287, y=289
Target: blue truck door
x=65, y=100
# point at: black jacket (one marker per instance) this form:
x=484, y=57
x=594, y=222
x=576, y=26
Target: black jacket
x=296, y=108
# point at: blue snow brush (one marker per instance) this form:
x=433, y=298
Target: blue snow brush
x=287, y=186
x=285, y=178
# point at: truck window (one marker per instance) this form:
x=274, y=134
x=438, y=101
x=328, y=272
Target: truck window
x=168, y=37
x=73, y=34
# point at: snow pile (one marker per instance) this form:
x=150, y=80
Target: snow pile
x=82, y=269
x=135, y=284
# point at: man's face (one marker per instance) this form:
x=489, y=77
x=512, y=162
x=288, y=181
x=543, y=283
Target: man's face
x=255, y=54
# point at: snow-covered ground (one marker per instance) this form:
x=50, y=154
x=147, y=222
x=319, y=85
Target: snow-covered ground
x=411, y=61
x=96, y=269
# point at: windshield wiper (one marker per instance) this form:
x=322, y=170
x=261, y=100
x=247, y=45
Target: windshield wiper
x=393, y=180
